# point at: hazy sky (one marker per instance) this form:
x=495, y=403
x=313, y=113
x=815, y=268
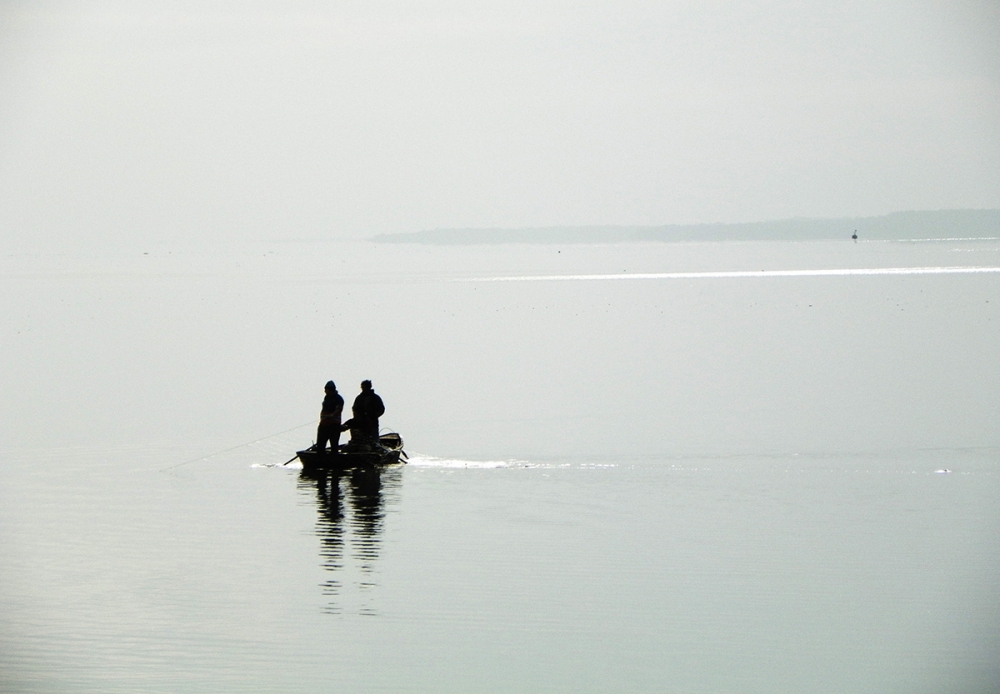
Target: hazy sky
x=148, y=121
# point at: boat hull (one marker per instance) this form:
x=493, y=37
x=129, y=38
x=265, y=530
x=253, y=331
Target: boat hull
x=386, y=452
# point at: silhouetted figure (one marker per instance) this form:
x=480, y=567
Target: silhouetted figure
x=329, y=418
x=855, y=236
x=367, y=409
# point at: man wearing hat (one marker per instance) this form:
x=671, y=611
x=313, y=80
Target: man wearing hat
x=329, y=418
x=368, y=407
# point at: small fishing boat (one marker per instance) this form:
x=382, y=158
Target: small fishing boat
x=386, y=451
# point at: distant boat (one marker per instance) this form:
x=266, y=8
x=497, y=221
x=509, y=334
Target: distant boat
x=386, y=451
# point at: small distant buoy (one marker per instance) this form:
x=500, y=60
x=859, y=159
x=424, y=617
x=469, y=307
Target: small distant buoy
x=855, y=236
x=943, y=471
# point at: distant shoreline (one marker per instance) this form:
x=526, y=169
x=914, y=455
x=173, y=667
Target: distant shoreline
x=901, y=226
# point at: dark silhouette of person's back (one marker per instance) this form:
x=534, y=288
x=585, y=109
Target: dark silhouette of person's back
x=367, y=408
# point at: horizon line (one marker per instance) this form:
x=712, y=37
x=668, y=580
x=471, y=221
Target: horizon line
x=740, y=274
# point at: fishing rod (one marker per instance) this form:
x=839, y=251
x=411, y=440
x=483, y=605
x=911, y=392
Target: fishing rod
x=233, y=448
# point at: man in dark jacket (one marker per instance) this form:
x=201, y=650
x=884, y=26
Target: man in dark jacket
x=329, y=418
x=367, y=409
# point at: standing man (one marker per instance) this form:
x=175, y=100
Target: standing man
x=367, y=409
x=329, y=419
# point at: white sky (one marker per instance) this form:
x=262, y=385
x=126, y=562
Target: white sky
x=153, y=121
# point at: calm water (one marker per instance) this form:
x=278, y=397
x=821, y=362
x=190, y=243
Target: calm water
x=664, y=485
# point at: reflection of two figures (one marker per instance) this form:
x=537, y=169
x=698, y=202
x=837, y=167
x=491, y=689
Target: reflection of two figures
x=361, y=518
x=363, y=424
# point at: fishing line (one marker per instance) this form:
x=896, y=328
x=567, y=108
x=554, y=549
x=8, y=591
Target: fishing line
x=248, y=443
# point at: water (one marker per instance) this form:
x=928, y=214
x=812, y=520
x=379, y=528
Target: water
x=694, y=485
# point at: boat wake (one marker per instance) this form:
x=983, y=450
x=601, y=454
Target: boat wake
x=418, y=460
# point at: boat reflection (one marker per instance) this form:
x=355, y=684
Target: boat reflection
x=356, y=524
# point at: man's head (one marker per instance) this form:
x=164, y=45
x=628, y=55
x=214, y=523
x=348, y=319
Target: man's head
x=366, y=385
x=330, y=387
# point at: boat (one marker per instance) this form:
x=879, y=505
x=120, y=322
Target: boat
x=385, y=451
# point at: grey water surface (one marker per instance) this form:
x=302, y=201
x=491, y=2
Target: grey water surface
x=695, y=482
